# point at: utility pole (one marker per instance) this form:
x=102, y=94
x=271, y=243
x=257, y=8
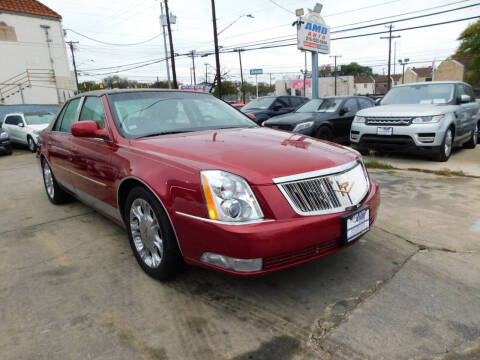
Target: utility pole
x=305, y=74
x=165, y=45
x=193, y=67
x=389, y=37
x=172, y=54
x=241, y=73
x=206, y=74
x=403, y=63
x=70, y=44
x=217, y=55
x=394, y=58
x=335, y=71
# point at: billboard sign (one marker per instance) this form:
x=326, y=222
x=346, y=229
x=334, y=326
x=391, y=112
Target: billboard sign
x=298, y=84
x=313, y=34
x=256, y=71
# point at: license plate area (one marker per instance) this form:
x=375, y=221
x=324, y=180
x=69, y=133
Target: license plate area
x=356, y=224
x=385, y=130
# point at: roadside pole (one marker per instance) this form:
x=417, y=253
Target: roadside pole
x=165, y=45
x=70, y=44
x=172, y=54
x=217, y=55
x=314, y=75
x=389, y=38
x=241, y=74
x=256, y=82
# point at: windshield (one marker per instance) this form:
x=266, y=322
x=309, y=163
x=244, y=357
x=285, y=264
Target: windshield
x=141, y=114
x=38, y=118
x=420, y=94
x=311, y=106
x=329, y=105
x=260, y=103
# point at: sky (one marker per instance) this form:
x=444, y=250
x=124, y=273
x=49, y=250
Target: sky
x=129, y=21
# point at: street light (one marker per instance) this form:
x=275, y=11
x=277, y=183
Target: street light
x=403, y=63
x=233, y=22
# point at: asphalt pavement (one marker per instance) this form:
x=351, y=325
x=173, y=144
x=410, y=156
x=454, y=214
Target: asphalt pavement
x=70, y=287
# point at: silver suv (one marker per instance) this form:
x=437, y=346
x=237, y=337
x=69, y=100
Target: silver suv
x=427, y=117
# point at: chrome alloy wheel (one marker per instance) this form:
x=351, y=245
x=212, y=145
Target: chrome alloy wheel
x=48, y=179
x=448, y=143
x=146, y=233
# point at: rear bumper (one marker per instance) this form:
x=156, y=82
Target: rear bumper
x=280, y=243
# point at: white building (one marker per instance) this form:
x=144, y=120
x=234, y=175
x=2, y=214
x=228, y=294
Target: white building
x=34, y=66
x=326, y=86
x=364, y=85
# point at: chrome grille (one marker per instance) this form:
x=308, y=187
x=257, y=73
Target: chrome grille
x=394, y=121
x=327, y=194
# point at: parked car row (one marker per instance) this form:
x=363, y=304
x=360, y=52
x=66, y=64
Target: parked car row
x=427, y=118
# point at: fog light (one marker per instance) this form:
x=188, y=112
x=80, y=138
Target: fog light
x=226, y=262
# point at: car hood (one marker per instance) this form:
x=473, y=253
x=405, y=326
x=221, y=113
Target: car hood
x=254, y=111
x=38, y=127
x=296, y=118
x=407, y=110
x=257, y=154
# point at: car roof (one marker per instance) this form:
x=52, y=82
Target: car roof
x=116, y=91
x=432, y=82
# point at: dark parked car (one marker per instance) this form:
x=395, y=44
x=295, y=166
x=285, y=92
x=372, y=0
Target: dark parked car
x=5, y=145
x=269, y=106
x=328, y=118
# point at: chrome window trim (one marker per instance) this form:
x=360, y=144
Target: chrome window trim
x=158, y=198
x=317, y=173
x=258, y=221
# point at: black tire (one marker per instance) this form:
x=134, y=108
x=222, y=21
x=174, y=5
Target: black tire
x=470, y=144
x=442, y=154
x=324, y=133
x=32, y=147
x=363, y=151
x=58, y=196
x=8, y=150
x=171, y=261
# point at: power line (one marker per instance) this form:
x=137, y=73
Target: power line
x=107, y=43
x=281, y=7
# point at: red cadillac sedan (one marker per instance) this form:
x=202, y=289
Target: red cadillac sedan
x=192, y=180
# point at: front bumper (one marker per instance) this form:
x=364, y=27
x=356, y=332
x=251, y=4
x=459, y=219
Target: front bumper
x=412, y=138
x=5, y=144
x=280, y=243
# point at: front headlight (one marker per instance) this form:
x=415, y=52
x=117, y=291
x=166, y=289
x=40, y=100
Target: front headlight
x=303, y=126
x=3, y=135
x=359, y=119
x=229, y=197
x=37, y=132
x=427, y=119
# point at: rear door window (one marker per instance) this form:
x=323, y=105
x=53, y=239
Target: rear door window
x=364, y=103
x=351, y=106
x=69, y=116
x=93, y=110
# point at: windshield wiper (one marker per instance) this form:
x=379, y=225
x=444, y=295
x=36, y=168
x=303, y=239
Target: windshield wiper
x=164, y=133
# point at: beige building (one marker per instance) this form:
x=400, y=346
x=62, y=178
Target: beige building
x=449, y=70
x=418, y=74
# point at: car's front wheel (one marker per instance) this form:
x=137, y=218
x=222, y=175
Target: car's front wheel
x=31, y=144
x=324, y=133
x=151, y=236
x=54, y=192
x=445, y=150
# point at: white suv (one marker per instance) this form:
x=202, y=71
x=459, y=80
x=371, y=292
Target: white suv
x=24, y=127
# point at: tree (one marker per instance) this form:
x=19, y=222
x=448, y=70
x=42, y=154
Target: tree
x=160, y=84
x=324, y=71
x=355, y=69
x=469, y=50
x=229, y=88
x=118, y=82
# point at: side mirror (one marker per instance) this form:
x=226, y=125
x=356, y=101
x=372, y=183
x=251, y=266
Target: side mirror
x=253, y=117
x=462, y=99
x=342, y=111
x=21, y=124
x=276, y=107
x=89, y=128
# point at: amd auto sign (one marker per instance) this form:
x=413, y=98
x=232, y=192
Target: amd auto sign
x=313, y=34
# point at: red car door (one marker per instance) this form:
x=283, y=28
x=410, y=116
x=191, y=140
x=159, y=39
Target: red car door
x=92, y=170
x=59, y=144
